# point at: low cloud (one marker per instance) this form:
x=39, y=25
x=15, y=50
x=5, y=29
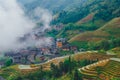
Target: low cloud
x=14, y=24
x=43, y=16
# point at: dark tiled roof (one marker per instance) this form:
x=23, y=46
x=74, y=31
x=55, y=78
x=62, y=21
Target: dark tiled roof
x=1, y=78
x=13, y=55
x=2, y=62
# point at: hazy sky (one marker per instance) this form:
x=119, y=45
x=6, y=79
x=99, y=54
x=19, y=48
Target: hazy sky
x=14, y=23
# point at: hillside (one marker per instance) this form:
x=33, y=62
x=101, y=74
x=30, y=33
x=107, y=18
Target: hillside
x=104, y=10
x=105, y=69
x=60, y=39
x=114, y=51
x=88, y=16
x=74, y=10
x=13, y=72
x=109, y=30
x=85, y=15
x=51, y=5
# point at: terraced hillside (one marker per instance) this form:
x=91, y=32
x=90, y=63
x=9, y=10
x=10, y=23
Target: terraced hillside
x=89, y=16
x=105, y=69
x=115, y=51
x=108, y=31
x=112, y=67
x=90, y=69
x=15, y=70
x=80, y=56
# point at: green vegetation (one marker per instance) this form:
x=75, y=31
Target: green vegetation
x=104, y=9
x=80, y=44
x=115, y=79
x=108, y=31
x=52, y=33
x=115, y=51
x=51, y=5
x=71, y=29
x=112, y=68
x=8, y=62
x=100, y=45
x=87, y=24
x=10, y=73
x=98, y=70
x=66, y=52
x=68, y=67
x=104, y=38
x=77, y=75
x=93, y=15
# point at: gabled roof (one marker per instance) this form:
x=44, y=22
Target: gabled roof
x=1, y=78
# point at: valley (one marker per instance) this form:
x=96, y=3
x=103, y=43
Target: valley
x=63, y=40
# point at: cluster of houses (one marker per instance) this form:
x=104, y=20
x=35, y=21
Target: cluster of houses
x=41, y=54
x=62, y=44
x=29, y=55
x=1, y=78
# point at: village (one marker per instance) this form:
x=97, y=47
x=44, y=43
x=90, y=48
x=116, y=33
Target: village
x=40, y=54
x=35, y=55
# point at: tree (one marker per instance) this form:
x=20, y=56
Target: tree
x=8, y=62
x=68, y=65
x=61, y=66
x=77, y=75
x=55, y=70
x=115, y=79
x=98, y=69
x=41, y=73
x=19, y=78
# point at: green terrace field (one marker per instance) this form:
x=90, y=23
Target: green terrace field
x=109, y=30
x=10, y=72
x=112, y=68
x=85, y=34
x=14, y=71
x=105, y=69
x=115, y=51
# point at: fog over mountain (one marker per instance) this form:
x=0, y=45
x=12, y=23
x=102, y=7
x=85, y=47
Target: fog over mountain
x=14, y=24
x=51, y=5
